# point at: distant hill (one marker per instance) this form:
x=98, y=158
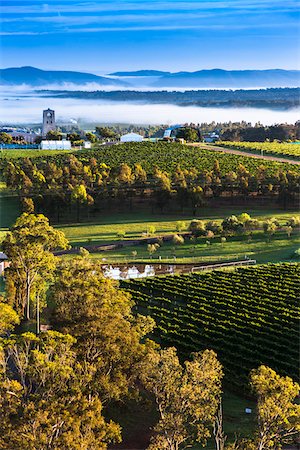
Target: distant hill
x=141, y=73
x=218, y=78
x=37, y=77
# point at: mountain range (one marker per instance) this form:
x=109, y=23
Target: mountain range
x=36, y=77
x=202, y=79
x=218, y=78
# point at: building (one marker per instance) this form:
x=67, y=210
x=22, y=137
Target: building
x=211, y=137
x=56, y=145
x=171, y=131
x=131, y=137
x=4, y=263
x=20, y=134
x=48, y=121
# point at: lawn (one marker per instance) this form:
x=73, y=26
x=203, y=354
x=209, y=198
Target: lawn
x=136, y=223
x=280, y=248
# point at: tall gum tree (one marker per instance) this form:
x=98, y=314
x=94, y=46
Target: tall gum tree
x=29, y=246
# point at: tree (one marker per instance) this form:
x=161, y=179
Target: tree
x=189, y=134
x=180, y=226
x=270, y=226
x=278, y=414
x=294, y=222
x=80, y=196
x=91, y=137
x=288, y=231
x=152, y=248
x=29, y=247
x=109, y=338
x=105, y=133
x=5, y=138
x=8, y=317
x=244, y=217
x=197, y=227
x=187, y=398
x=213, y=226
x=54, y=135
x=55, y=408
x=232, y=224
x=177, y=239
x=27, y=205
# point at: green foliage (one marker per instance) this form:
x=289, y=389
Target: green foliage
x=54, y=135
x=197, y=227
x=278, y=413
x=29, y=246
x=46, y=402
x=109, y=338
x=187, y=397
x=180, y=226
x=5, y=138
x=8, y=317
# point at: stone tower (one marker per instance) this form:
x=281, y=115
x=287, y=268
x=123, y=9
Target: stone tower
x=48, y=121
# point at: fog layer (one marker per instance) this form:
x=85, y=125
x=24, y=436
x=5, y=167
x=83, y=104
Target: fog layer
x=28, y=109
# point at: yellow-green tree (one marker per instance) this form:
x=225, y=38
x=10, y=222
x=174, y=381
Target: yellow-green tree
x=8, y=317
x=187, y=398
x=109, y=337
x=278, y=413
x=45, y=403
x=29, y=246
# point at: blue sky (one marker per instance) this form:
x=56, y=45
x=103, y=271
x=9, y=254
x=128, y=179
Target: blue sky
x=103, y=36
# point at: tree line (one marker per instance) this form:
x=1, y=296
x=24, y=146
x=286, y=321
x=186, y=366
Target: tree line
x=80, y=184
x=56, y=385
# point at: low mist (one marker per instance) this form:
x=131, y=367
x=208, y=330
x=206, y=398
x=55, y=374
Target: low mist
x=27, y=108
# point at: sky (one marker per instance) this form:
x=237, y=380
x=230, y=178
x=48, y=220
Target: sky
x=105, y=36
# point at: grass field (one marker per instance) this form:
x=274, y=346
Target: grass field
x=280, y=248
x=135, y=224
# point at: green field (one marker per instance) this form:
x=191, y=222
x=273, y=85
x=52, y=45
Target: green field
x=248, y=316
x=136, y=223
x=280, y=248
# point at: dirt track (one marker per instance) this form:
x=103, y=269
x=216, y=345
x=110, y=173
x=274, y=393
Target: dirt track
x=242, y=153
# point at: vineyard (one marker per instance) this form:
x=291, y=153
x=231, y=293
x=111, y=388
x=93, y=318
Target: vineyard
x=166, y=156
x=265, y=148
x=248, y=316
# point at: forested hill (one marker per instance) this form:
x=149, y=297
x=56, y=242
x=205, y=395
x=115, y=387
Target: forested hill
x=275, y=98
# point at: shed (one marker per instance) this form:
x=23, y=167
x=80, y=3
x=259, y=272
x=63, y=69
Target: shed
x=131, y=137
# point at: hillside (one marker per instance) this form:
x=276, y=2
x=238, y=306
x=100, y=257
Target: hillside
x=36, y=77
x=218, y=78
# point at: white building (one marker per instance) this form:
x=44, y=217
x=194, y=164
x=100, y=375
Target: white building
x=131, y=137
x=56, y=145
x=3, y=262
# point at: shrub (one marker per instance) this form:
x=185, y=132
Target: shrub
x=197, y=227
